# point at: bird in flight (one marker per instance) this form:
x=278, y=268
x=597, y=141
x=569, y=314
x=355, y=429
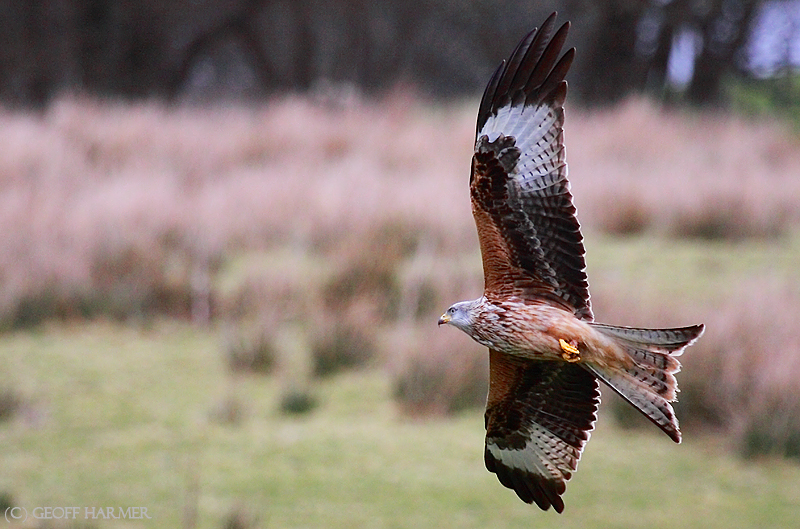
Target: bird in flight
x=546, y=353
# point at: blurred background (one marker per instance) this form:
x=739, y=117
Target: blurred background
x=227, y=230
x=687, y=49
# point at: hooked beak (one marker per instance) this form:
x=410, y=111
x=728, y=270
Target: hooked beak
x=444, y=319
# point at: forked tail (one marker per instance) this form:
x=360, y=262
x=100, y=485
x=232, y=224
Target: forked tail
x=649, y=381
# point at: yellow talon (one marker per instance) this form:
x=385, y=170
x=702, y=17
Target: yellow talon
x=570, y=352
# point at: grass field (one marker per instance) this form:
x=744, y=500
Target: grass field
x=142, y=243
x=127, y=415
x=120, y=416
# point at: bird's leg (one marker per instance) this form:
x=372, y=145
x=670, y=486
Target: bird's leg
x=569, y=350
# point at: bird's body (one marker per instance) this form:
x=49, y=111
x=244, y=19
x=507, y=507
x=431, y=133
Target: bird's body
x=546, y=353
x=533, y=331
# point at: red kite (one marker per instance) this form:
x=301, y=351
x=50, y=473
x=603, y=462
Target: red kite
x=546, y=354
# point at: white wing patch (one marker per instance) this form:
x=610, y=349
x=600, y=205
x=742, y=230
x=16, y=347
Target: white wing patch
x=537, y=132
x=544, y=454
x=499, y=122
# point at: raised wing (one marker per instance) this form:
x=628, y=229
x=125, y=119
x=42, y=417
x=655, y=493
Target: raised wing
x=529, y=235
x=539, y=416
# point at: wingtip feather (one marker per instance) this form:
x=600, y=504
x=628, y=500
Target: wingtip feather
x=531, y=73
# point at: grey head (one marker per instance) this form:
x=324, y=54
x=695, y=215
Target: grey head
x=460, y=315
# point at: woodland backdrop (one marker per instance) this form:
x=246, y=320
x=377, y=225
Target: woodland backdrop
x=207, y=48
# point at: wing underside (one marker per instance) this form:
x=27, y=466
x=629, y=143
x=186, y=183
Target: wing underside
x=530, y=237
x=539, y=416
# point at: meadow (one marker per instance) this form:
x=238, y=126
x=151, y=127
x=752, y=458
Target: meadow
x=118, y=416
x=227, y=314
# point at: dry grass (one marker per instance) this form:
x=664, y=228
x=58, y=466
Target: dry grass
x=129, y=210
x=743, y=376
x=683, y=174
x=345, y=220
x=437, y=373
x=10, y=404
x=748, y=369
x=250, y=351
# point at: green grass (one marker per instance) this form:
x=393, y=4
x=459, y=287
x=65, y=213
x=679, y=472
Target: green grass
x=775, y=97
x=121, y=416
x=697, y=273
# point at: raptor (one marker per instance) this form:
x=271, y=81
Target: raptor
x=546, y=353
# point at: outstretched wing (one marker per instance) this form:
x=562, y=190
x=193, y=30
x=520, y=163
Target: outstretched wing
x=539, y=415
x=529, y=235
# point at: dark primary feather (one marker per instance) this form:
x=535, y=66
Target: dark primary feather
x=534, y=247
x=526, y=69
x=550, y=409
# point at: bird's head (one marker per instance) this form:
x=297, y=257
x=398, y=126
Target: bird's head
x=459, y=315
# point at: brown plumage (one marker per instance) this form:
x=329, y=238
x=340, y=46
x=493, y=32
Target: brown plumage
x=545, y=352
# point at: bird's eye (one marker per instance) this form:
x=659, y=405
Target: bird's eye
x=451, y=310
